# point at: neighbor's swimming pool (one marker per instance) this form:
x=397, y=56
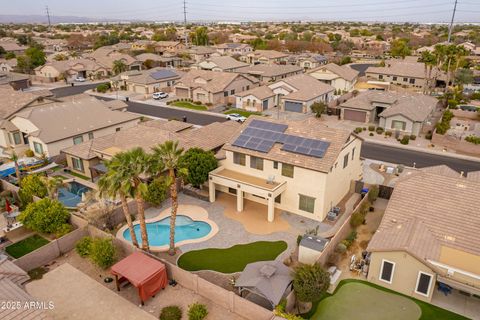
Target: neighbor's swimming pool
x=71, y=194
x=159, y=231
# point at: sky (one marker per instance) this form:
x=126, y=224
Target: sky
x=253, y=10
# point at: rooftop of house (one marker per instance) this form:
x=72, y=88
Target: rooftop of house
x=77, y=115
x=269, y=70
x=269, y=54
x=211, y=81
x=344, y=72
x=432, y=212
x=223, y=62
x=12, y=101
x=76, y=64
x=305, y=87
x=416, y=107
x=149, y=76
x=409, y=67
x=233, y=45
x=310, y=128
x=105, y=56
x=261, y=92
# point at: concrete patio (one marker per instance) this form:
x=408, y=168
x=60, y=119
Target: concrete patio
x=459, y=303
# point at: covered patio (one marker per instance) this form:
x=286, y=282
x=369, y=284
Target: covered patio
x=242, y=184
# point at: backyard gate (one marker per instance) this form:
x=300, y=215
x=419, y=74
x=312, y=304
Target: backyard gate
x=385, y=192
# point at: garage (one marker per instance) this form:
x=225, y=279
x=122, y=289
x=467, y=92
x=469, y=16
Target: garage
x=293, y=106
x=354, y=115
x=181, y=92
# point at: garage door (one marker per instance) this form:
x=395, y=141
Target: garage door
x=354, y=115
x=182, y=93
x=293, y=106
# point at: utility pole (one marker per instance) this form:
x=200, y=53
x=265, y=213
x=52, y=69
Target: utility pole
x=185, y=22
x=48, y=17
x=451, y=22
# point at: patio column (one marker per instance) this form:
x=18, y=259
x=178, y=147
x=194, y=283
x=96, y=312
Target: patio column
x=239, y=200
x=211, y=191
x=271, y=209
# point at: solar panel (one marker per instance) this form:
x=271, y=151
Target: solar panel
x=302, y=150
x=251, y=145
x=289, y=147
x=317, y=153
x=265, y=125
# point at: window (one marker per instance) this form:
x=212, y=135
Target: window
x=239, y=158
x=78, y=140
x=353, y=153
x=287, y=170
x=232, y=190
x=386, y=272
x=394, y=78
x=38, y=147
x=412, y=81
x=306, y=203
x=345, y=161
x=77, y=164
x=90, y=135
x=117, y=129
x=424, y=281
x=256, y=163
x=225, y=93
x=278, y=199
x=275, y=164
x=399, y=125
x=405, y=79
x=380, y=76
x=16, y=138
x=232, y=92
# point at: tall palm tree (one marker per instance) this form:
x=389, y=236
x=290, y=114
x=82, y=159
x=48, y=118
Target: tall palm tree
x=132, y=166
x=169, y=155
x=119, y=66
x=53, y=184
x=110, y=184
x=428, y=60
x=14, y=158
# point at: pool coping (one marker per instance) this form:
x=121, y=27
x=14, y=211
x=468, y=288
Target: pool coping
x=68, y=180
x=194, y=212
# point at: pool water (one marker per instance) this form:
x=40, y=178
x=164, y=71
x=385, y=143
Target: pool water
x=159, y=231
x=71, y=194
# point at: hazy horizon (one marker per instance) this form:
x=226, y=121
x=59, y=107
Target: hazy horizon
x=426, y=11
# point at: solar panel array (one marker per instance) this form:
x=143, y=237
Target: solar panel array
x=262, y=135
x=163, y=74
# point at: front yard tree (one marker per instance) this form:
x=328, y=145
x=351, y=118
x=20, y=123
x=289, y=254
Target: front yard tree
x=400, y=48
x=310, y=282
x=318, y=108
x=169, y=155
x=198, y=163
x=119, y=66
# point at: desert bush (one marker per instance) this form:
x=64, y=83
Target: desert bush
x=358, y=130
x=197, y=311
x=171, y=313
x=371, y=128
x=29, y=153
x=405, y=140
x=413, y=137
x=102, y=252
x=83, y=246
x=341, y=248
x=45, y=216
x=373, y=193
x=371, y=134
x=388, y=133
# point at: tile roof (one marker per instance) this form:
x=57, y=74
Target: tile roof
x=261, y=92
x=269, y=54
x=307, y=87
x=9, y=291
x=269, y=70
x=403, y=68
x=73, y=64
x=210, y=81
x=309, y=128
x=344, y=72
x=10, y=271
x=224, y=62
x=150, y=76
x=429, y=209
x=12, y=101
x=172, y=126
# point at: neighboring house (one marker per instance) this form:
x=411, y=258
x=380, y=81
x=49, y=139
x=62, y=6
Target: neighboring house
x=407, y=73
x=301, y=167
x=160, y=60
x=163, y=47
x=233, y=48
x=403, y=112
x=68, y=70
x=298, y=93
x=8, y=65
x=257, y=99
x=265, y=57
x=106, y=56
x=49, y=128
x=11, y=45
x=223, y=63
x=270, y=72
x=148, y=81
x=200, y=53
x=86, y=158
x=212, y=87
x=429, y=235
x=142, y=45
x=18, y=81
x=52, y=45
x=342, y=78
x=308, y=60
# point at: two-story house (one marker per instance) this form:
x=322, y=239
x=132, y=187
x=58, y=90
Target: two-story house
x=302, y=167
x=342, y=78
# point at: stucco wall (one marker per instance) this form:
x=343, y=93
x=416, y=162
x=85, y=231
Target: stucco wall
x=408, y=124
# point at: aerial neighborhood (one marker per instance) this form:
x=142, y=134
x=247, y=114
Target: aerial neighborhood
x=268, y=169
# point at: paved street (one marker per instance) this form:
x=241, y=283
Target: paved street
x=76, y=89
x=421, y=159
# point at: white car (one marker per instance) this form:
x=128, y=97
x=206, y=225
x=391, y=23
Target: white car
x=159, y=95
x=236, y=117
x=80, y=79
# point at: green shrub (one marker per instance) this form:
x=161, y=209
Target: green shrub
x=371, y=128
x=341, y=248
x=351, y=236
x=280, y=311
x=29, y=153
x=428, y=136
x=357, y=219
x=197, y=311
x=103, y=87
x=358, y=130
x=413, y=137
x=371, y=134
x=63, y=230
x=405, y=140
x=379, y=130
x=171, y=313
x=209, y=104
x=388, y=133
x=373, y=193
x=299, y=239
x=31, y=185
x=45, y=216
x=443, y=126
x=198, y=102
x=83, y=246
x=473, y=139
x=198, y=163
x=156, y=192
x=102, y=252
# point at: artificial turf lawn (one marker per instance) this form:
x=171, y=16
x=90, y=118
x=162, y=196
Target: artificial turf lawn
x=188, y=105
x=428, y=311
x=25, y=246
x=243, y=113
x=233, y=259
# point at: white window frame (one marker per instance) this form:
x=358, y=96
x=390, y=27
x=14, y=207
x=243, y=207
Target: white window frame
x=381, y=271
x=429, y=284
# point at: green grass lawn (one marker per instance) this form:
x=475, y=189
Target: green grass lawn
x=356, y=299
x=233, y=259
x=188, y=105
x=242, y=112
x=78, y=175
x=25, y=246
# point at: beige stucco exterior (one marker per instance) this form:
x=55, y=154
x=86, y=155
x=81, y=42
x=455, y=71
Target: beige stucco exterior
x=411, y=127
x=307, y=255
x=252, y=103
x=334, y=80
x=398, y=80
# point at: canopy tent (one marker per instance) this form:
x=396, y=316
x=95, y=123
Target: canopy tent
x=147, y=274
x=268, y=279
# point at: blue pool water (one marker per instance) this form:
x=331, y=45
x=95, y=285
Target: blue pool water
x=71, y=195
x=159, y=231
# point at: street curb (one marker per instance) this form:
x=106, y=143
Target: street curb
x=417, y=149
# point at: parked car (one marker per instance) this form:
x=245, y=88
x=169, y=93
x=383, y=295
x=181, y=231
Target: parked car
x=80, y=79
x=159, y=95
x=236, y=117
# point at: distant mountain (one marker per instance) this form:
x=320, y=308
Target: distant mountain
x=4, y=18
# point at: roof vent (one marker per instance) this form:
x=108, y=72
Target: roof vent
x=394, y=220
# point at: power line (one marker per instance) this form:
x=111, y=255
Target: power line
x=48, y=17
x=451, y=22
x=185, y=22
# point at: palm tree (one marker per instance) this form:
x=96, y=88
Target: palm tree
x=53, y=184
x=428, y=60
x=169, y=155
x=118, y=66
x=131, y=166
x=14, y=158
x=110, y=184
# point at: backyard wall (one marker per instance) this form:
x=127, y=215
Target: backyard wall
x=451, y=142
x=55, y=248
x=465, y=114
